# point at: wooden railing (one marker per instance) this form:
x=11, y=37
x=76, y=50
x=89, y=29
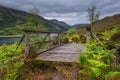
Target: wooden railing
x=58, y=39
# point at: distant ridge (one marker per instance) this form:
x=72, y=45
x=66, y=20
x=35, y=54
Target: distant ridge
x=79, y=25
x=10, y=17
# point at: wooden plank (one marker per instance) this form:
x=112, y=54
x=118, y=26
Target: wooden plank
x=58, y=57
x=40, y=52
x=65, y=53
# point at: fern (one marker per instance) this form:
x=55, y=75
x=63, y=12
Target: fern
x=97, y=62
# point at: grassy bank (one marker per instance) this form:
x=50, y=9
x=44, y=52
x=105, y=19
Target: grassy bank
x=11, y=36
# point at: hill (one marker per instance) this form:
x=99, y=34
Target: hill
x=78, y=25
x=61, y=23
x=10, y=17
x=104, y=24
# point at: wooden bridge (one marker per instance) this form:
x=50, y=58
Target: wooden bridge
x=53, y=46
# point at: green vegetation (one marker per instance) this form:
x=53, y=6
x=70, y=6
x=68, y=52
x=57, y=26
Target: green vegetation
x=7, y=20
x=33, y=21
x=110, y=33
x=10, y=61
x=73, y=36
x=98, y=64
x=93, y=15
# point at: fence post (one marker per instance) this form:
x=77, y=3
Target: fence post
x=27, y=45
x=59, y=39
x=88, y=30
x=49, y=41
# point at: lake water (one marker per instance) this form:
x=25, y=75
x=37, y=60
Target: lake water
x=9, y=40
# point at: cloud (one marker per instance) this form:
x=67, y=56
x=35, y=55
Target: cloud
x=70, y=11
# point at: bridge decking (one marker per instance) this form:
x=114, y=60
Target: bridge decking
x=66, y=53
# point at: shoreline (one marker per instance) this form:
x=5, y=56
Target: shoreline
x=11, y=36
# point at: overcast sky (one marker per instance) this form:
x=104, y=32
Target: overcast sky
x=69, y=11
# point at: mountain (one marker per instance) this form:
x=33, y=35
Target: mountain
x=104, y=24
x=10, y=17
x=78, y=25
x=61, y=23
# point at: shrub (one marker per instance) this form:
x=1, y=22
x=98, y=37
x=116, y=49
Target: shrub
x=72, y=35
x=82, y=39
x=97, y=62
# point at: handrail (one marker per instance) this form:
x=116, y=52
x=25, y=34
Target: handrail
x=38, y=31
x=46, y=39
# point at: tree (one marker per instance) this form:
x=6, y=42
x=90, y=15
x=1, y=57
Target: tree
x=33, y=20
x=93, y=16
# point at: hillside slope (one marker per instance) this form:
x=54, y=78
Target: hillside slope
x=79, y=25
x=103, y=24
x=10, y=17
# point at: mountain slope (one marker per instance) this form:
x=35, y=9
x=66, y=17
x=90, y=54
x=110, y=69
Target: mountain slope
x=64, y=25
x=103, y=24
x=10, y=17
x=78, y=25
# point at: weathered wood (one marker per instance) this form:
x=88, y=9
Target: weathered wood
x=43, y=40
x=58, y=39
x=38, y=31
x=89, y=33
x=27, y=48
x=49, y=41
x=20, y=41
x=40, y=52
x=65, y=53
x=39, y=43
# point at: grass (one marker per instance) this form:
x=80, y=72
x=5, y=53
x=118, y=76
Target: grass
x=11, y=36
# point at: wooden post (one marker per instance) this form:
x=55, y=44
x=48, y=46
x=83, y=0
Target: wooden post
x=89, y=33
x=64, y=41
x=59, y=39
x=49, y=41
x=27, y=46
